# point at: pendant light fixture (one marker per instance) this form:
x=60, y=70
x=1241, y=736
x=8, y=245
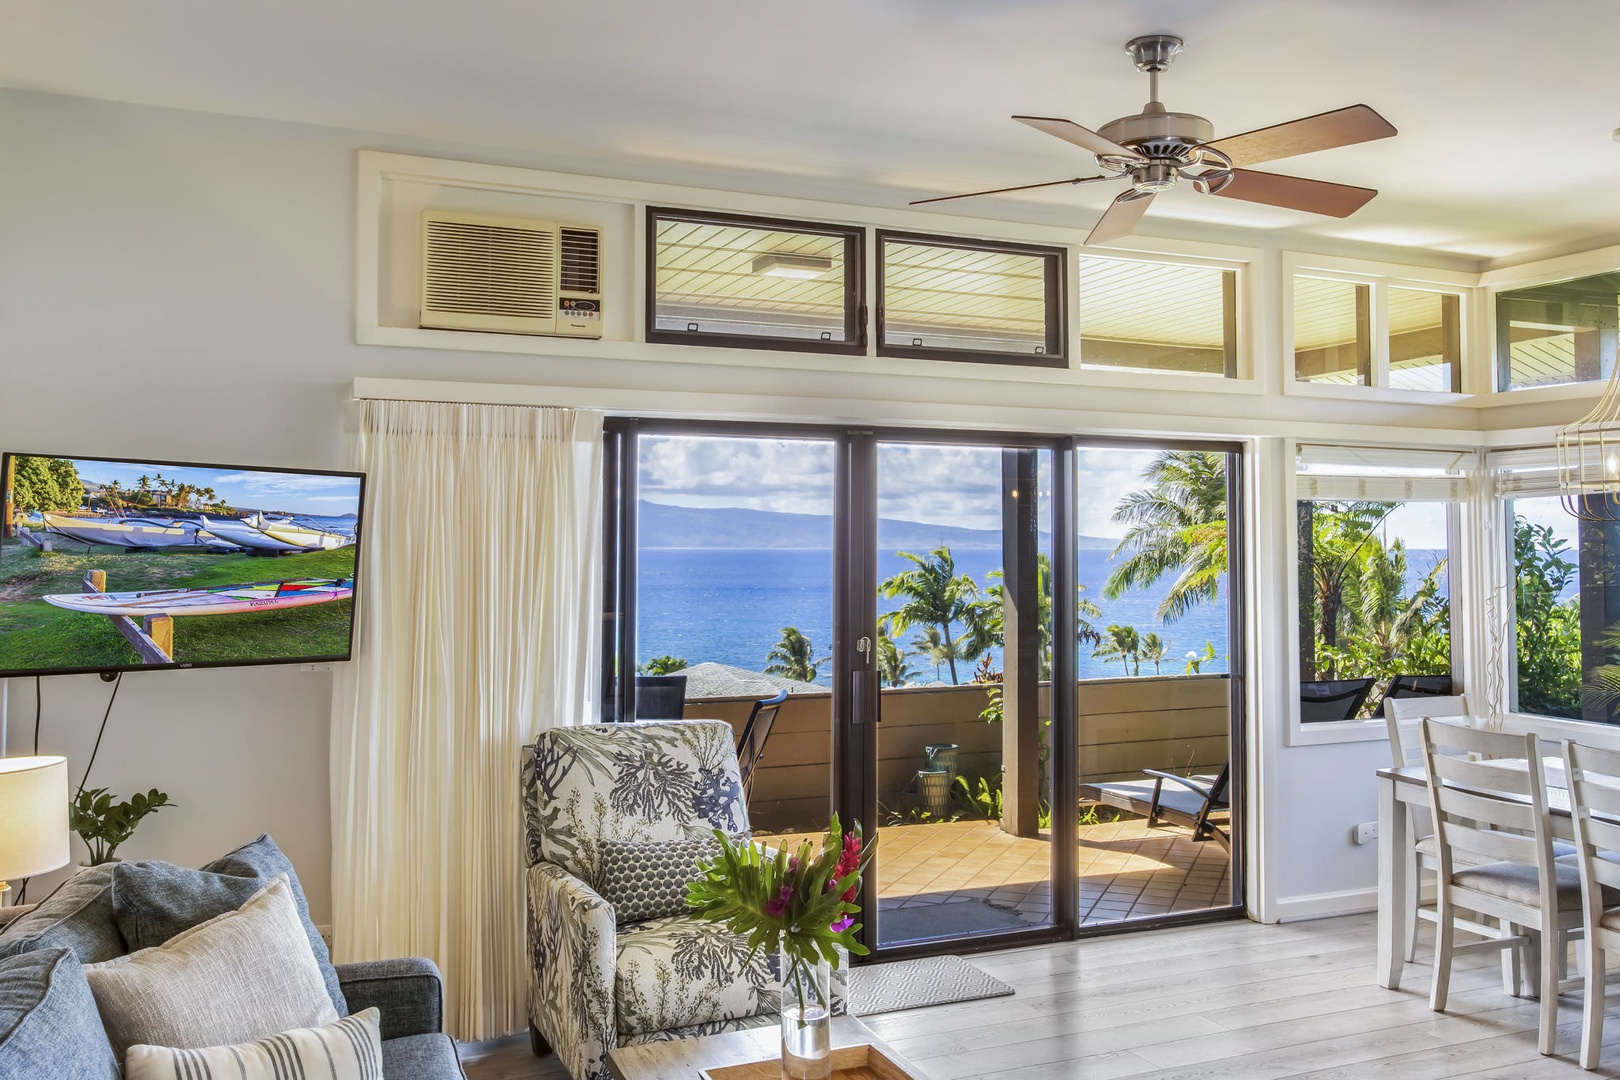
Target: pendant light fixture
x=1589, y=458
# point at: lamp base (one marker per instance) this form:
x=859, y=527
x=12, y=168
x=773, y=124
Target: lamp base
x=5, y=893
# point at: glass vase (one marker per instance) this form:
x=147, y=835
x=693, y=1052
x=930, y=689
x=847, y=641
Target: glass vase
x=806, y=1018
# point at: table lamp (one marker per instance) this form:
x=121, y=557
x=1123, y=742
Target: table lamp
x=33, y=817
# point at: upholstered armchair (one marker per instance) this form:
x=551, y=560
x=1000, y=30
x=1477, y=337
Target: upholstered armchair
x=617, y=816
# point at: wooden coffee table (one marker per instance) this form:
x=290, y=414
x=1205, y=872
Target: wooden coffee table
x=681, y=1059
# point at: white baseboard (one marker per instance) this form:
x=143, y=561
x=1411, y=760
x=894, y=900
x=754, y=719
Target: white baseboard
x=1325, y=905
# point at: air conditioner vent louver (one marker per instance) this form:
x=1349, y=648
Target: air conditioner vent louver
x=507, y=275
x=581, y=260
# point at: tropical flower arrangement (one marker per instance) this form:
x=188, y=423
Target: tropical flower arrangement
x=798, y=903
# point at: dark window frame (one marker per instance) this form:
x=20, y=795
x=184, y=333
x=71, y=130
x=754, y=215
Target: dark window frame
x=854, y=237
x=1057, y=310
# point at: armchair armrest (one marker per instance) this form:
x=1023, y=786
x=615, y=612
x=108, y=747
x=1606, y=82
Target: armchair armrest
x=407, y=992
x=572, y=939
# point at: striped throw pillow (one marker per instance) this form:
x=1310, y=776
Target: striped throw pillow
x=350, y=1049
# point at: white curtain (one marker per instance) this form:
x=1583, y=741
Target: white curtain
x=480, y=595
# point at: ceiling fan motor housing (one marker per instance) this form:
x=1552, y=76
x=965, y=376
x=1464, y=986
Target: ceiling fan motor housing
x=1164, y=135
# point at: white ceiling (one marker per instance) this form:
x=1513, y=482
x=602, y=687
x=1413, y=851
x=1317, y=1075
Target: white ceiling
x=1505, y=107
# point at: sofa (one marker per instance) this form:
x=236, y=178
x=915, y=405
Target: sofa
x=44, y=995
x=617, y=816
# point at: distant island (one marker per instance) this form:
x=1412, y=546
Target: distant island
x=660, y=525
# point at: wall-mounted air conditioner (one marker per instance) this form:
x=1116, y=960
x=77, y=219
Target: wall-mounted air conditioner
x=510, y=275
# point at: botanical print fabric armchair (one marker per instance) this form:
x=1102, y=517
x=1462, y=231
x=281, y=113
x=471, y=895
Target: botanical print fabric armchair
x=627, y=809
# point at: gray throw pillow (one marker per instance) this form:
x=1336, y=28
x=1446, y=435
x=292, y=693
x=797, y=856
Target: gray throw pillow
x=648, y=880
x=77, y=916
x=153, y=901
x=49, y=1026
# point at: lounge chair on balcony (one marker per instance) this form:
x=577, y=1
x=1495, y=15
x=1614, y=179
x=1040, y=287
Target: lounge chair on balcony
x=660, y=697
x=1198, y=803
x=1332, y=699
x=751, y=743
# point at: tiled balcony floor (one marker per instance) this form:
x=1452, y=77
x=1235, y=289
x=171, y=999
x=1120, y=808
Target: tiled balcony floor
x=1127, y=871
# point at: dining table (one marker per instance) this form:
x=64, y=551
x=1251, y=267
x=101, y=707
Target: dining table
x=1399, y=792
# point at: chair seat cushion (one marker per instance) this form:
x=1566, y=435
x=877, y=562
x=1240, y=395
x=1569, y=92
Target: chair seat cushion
x=679, y=971
x=1521, y=883
x=421, y=1057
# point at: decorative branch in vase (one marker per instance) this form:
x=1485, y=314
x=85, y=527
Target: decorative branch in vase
x=800, y=905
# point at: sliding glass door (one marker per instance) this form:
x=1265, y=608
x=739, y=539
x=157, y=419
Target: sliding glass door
x=971, y=637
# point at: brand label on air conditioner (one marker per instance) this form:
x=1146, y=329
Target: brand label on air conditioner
x=579, y=309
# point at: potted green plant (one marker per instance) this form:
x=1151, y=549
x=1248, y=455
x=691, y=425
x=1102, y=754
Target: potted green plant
x=103, y=824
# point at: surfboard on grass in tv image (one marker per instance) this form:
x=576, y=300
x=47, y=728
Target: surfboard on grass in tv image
x=111, y=565
x=218, y=600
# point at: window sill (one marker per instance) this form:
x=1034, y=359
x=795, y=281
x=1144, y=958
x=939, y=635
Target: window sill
x=1386, y=394
x=1335, y=731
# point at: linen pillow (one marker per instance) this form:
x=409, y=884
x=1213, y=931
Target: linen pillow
x=240, y=976
x=77, y=916
x=153, y=901
x=648, y=880
x=49, y=1027
x=350, y=1049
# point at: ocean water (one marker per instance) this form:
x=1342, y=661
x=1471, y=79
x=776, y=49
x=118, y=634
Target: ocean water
x=730, y=605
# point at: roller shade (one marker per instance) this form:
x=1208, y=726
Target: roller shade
x=1378, y=474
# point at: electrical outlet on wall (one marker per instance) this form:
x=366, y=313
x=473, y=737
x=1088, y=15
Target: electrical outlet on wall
x=1365, y=833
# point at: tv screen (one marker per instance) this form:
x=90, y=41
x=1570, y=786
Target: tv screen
x=113, y=565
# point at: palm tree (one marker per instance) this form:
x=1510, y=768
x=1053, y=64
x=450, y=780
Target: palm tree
x=892, y=665
x=931, y=644
x=791, y=657
x=936, y=596
x=1177, y=525
x=1124, y=644
x=1154, y=649
x=663, y=665
x=1343, y=537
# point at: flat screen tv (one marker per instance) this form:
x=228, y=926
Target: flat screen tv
x=111, y=565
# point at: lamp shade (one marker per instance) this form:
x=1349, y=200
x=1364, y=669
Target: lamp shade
x=33, y=815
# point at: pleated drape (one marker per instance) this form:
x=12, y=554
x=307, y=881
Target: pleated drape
x=479, y=593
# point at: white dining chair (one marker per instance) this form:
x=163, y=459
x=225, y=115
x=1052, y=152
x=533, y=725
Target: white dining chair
x=1595, y=807
x=1402, y=717
x=1496, y=815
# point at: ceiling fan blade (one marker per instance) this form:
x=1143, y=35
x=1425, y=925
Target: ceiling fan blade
x=1020, y=187
x=1324, y=131
x=1069, y=131
x=1296, y=193
x=1121, y=217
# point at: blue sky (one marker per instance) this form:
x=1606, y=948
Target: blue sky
x=253, y=489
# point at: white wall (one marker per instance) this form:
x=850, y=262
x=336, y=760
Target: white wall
x=180, y=285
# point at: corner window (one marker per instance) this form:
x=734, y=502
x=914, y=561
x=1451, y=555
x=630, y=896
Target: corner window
x=1157, y=317
x=1558, y=333
x=1565, y=625
x=967, y=300
x=753, y=282
x=1374, y=539
x=1355, y=333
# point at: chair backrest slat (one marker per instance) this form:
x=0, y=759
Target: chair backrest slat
x=1492, y=846
x=1402, y=716
x=1482, y=775
x=1485, y=809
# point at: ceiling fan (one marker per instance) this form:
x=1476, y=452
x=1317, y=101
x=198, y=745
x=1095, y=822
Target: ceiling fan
x=1156, y=148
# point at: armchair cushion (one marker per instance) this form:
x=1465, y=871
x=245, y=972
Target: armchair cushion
x=421, y=1057
x=648, y=881
x=408, y=993
x=679, y=972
